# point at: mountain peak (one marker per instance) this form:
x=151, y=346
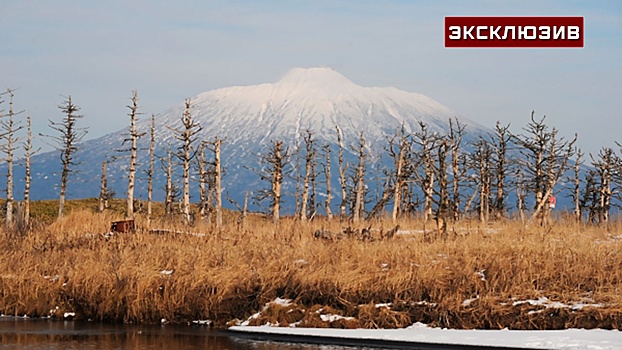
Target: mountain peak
x=315, y=77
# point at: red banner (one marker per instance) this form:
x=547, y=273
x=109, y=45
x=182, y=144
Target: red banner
x=500, y=32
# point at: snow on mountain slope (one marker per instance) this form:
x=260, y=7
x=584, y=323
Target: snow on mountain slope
x=314, y=98
x=248, y=118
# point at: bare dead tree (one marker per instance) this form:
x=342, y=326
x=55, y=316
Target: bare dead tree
x=383, y=200
x=105, y=193
x=169, y=188
x=186, y=153
x=134, y=135
x=482, y=162
x=606, y=168
x=297, y=179
x=151, y=170
x=590, y=196
x=358, y=209
x=576, y=193
x=342, y=174
x=399, y=149
x=67, y=144
x=203, y=182
x=500, y=143
x=102, y=188
x=9, y=128
x=545, y=158
x=521, y=193
x=274, y=162
x=423, y=158
x=326, y=167
x=442, y=213
x=28, y=153
x=216, y=182
x=241, y=221
x=309, y=156
x=313, y=193
x=458, y=170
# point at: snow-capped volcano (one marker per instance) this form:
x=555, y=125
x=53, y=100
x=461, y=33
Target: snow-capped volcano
x=248, y=118
x=317, y=99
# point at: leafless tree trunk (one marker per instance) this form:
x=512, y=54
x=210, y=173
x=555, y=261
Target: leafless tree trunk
x=170, y=196
x=313, y=193
x=186, y=153
x=590, y=198
x=217, y=181
x=400, y=157
x=9, y=128
x=150, y=172
x=482, y=162
x=103, y=197
x=297, y=179
x=326, y=166
x=342, y=173
x=455, y=139
x=426, y=143
x=576, y=196
x=70, y=136
x=606, y=165
x=277, y=180
x=275, y=161
x=134, y=136
x=501, y=142
x=28, y=153
x=359, y=180
x=442, y=210
x=203, y=182
x=309, y=154
x=520, y=193
x=244, y=210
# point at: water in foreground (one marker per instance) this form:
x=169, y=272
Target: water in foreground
x=18, y=333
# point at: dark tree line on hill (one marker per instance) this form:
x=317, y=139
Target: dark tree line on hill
x=445, y=177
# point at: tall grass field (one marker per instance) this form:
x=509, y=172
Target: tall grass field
x=488, y=276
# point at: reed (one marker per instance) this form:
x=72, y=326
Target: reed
x=481, y=276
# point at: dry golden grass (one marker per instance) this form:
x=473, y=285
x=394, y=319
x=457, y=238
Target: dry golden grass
x=230, y=274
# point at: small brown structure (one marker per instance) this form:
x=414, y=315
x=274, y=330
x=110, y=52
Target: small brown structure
x=124, y=226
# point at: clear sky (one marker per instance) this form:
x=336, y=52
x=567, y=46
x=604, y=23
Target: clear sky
x=98, y=51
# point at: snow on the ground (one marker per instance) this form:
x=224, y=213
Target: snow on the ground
x=575, y=339
x=544, y=301
x=279, y=301
x=333, y=317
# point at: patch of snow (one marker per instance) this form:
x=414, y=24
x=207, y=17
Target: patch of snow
x=423, y=303
x=279, y=301
x=420, y=333
x=482, y=274
x=468, y=302
x=69, y=314
x=282, y=302
x=387, y=305
x=167, y=272
x=52, y=278
x=333, y=318
x=301, y=262
x=544, y=301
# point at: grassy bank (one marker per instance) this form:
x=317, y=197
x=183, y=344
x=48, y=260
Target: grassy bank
x=503, y=275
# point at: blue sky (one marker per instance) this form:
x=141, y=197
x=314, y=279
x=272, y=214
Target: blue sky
x=98, y=51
